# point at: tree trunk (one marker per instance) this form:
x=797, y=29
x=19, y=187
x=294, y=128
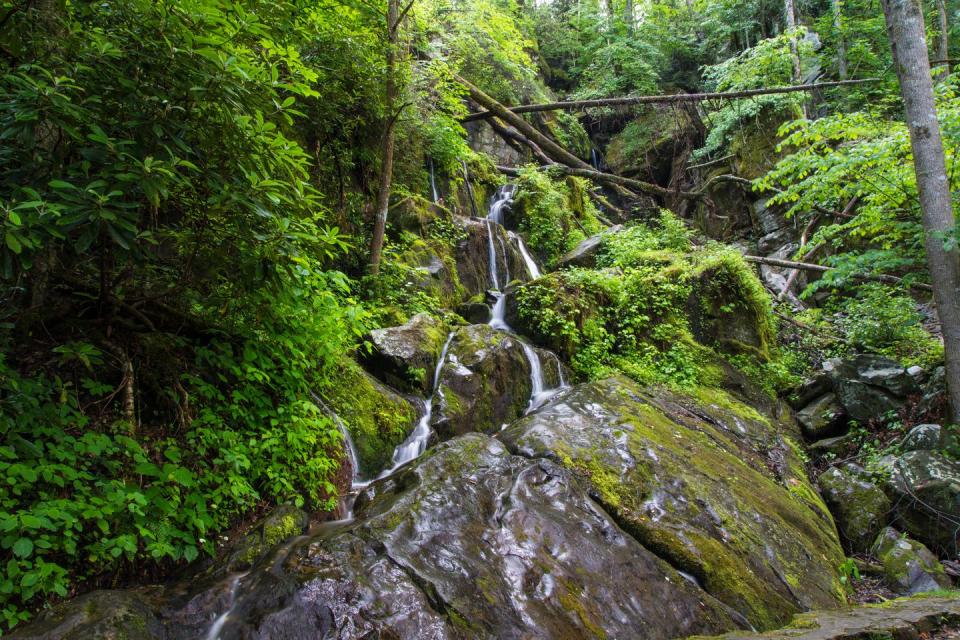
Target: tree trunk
x=628, y=15
x=943, y=41
x=841, y=39
x=790, y=13
x=905, y=29
x=386, y=153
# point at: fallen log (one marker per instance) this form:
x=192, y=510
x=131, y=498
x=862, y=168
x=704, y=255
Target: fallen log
x=611, y=178
x=570, y=105
x=819, y=268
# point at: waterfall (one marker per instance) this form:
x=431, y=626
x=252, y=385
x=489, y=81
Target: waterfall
x=433, y=183
x=416, y=442
x=539, y=392
x=217, y=626
x=595, y=159
x=532, y=270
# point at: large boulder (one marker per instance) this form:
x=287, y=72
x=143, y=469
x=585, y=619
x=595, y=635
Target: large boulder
x=98, y=615
x=377, y=417
x=406, y=356
x=709, y=485
x=859, y=506
x=869, y=386
x=925, y=489
x=473, y=542
x=908, y=566
x=485, y=381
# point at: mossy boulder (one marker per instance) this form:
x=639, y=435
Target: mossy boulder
x=924, y=487
x=823, y=417
x=860, y=508
x=432, y=269
x=485, y=382
x=418, y=215
x=405, y=357
x=99, y=615
x=705, y=483
x=283, y=523
x=585, y=253
x=908, y=566
x=377, y=417
x=728, y=307
x=470, y=541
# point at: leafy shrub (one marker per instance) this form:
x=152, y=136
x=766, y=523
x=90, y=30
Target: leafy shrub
x=555, y=213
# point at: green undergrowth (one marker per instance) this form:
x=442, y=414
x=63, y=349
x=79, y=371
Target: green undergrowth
x=93, y=495
x=554, y=212
x=658, y=309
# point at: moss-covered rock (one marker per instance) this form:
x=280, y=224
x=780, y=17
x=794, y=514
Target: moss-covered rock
x=99, y=615
x=823, y=417
x=406, y=356
x=378, y=418
x=709, y=485
x=484, y=383
x=908, y=566
x=283, y=523
x=925, y=489
x=473, y=256
x=657, y=314
x=859, y=506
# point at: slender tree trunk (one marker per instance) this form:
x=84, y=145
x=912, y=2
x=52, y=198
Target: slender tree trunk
x=841, y=39
x=943, y=41
x=628, y=15
x=907, y=39
x=386, y=150
x=790, y=11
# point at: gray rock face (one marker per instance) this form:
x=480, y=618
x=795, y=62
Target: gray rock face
x=925, y=490
x=585, y=253
x=98, y=615
x=923, y=437
x=823, y=417
x=877, y=371
x=472, y=542
x=908, y=566
x=405, y=356
x=860, y=508
x=475, y=312
x=715, y=489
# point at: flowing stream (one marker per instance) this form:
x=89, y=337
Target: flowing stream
x=416, y=442
x=433, y=183
x=540, y=392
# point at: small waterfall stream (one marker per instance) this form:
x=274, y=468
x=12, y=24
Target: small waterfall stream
x=540, y=392
x=416, y=443
x=433, y=183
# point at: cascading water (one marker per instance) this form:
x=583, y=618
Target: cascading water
x=433, y=183
x=217, y=626
x=416, y=442
x=532, y=269
x=539, y=393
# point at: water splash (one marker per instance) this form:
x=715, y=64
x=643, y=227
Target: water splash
x=221, y=620
x=532, y=270
x=433, y=183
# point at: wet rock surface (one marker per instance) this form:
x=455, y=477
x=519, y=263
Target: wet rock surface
x=708, y=483
x=101, y=615
x=905, y=619
x=473, y=542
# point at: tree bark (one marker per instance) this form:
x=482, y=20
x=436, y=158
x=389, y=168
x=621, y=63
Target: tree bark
x=790, y=14
x=571, y=105
x=905, y=30
x=943, y=41
x=386, y=150
x=841, y=39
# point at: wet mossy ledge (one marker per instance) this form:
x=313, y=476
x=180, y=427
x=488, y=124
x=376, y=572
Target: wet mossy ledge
x=377, y=417
x=657, y=308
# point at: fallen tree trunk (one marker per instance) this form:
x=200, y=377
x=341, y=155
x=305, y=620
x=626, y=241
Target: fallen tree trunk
x=806, y=266
x=610, y=178
x=661, y=99
x=508, y=133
